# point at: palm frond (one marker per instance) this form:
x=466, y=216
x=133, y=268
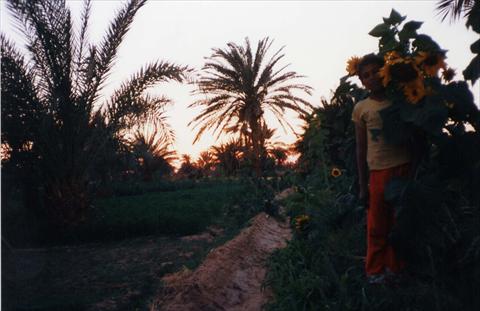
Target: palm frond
x=47, y=27
x=454, y=8
x=128, y=102
x=80, y=59
x=109, y=46
x=21, y=108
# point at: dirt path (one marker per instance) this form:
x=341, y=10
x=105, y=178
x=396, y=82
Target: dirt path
x=231, y=276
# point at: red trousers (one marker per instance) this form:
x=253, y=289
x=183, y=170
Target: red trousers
x=380, y=221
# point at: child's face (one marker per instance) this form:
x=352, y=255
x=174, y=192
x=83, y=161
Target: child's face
x=370, y=78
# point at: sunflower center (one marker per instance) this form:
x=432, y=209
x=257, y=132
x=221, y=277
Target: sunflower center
x=403, y=72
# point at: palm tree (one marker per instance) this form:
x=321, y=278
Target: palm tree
x=206, y=163
x=240, y=85
x=53, y=117
x=187, y=169
x=151, y=147
x=454, y=8
x=228, y=156
x=278, y=151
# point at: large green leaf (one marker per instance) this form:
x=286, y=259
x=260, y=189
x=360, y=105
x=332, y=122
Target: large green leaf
x=432, y=116
x=458, y=96
x=380, y=30
x=425, y=43
x=474, y=17
x=472, y=72
x=409, y=31
x=412, y=26
x=395, y=130
x=475, y=47
x=394, y=19
x=388, y=43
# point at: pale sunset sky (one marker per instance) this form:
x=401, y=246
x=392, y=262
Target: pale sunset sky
x=319, y=37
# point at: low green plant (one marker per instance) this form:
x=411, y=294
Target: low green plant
x=179, y=208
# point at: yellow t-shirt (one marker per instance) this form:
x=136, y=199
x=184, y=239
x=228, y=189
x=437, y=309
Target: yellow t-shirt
x=380, y=155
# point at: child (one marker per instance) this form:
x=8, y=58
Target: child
x=384, y=162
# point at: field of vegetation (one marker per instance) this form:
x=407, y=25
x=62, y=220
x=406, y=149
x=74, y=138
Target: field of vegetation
x=95, y=213
x=118, y=256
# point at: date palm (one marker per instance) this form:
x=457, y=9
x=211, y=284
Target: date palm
x=228, y=156
x=152, y=149
x=187, y=169
x=240, y=85
x=206, y=163
x=276, y=150
x=53, y=117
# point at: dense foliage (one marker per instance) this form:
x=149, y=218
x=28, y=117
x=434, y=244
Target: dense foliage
x=56, y=128
x=438, y=212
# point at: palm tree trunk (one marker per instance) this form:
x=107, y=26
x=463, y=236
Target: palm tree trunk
x=66, y=202
x=257, y=145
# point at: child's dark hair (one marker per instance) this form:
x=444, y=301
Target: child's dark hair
x=370, y=59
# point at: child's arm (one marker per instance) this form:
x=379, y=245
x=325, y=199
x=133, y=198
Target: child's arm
x=361, y=144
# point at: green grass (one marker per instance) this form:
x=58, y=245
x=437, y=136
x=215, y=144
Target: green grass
x=322, y=267
x=179, y=212
x=166, y=208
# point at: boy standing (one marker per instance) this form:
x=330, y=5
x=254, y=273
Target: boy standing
x=383, y=161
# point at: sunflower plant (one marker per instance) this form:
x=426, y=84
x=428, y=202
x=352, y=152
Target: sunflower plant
x=436, y=210
x=419, y=83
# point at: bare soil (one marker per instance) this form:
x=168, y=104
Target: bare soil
x=108, y=276
x=231, y=276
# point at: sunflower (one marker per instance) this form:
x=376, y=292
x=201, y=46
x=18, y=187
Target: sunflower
x=420, y=58
x=336, y=172
x=431, y=62
x=404, y=71
x=414, y=90
x=301, y=222
x=352, y=65
x=397, y=68
x=385, y=74
x=448, y=74
x=392, y=57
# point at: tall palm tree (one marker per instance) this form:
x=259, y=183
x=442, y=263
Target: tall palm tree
x=240, y=85
x=51, y=98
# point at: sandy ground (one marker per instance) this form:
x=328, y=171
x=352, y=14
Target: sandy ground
x=231, y=276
